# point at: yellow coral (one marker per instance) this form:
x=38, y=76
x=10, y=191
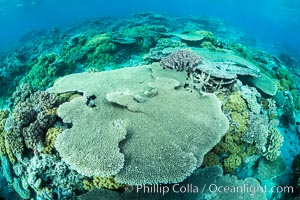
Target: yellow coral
x=2, y=145
x=3, y=115
x=101, y=182
x=50, y=139
x=235, y=103
x=106, y=182
x=231, y=144
x=240, y=121
x=232, y=162
x=88, y=185
x=9, y=152
x=100, y=49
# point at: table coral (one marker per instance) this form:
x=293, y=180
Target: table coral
x=141, y=118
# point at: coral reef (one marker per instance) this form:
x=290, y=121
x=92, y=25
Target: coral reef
x=266, y=138
x=270, y=169
x=164, y=112
x=231, y=151
x=31, y=120
x=136, y=112
x=199, y=180
x=182, y=60
x=160, y=50
x=3, y=116
x=46, y=69
x=252, y=97
x=101, y=182
x=50, y=139
x=286, y=80
x=275, y=140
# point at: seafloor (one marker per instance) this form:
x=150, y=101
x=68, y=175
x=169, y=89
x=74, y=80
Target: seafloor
x=148, y=107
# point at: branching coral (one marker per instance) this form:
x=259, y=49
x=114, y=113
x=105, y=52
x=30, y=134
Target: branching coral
x=266, y=138
x=182, y=60
x=197, y=78
x=251, y=96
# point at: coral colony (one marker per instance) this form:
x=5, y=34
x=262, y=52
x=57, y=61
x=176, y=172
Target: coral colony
x=149, y=107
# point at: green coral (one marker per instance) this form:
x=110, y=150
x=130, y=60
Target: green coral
x=145, y=35
x=209, y=41
x=231, y=163
x=73, y=51
x=46, y=70
x=296, y=99
x=286, y=80
x=235, y=103
x=211, y=159
x=94, y=51
x=5, y=149
x=242, y=51
x=101, y=182
x=100, y=51
x=240, y=121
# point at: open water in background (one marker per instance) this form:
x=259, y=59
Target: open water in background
x=275, y=22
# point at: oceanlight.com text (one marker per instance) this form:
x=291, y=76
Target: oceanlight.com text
x=210, y=188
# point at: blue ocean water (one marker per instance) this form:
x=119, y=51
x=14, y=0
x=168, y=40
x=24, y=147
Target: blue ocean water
x=273, y=21
x=265, y=33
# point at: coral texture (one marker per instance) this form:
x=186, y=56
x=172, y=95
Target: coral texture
x=181, y=60
x=206, y=179
x=32, y=116
x=158, y=120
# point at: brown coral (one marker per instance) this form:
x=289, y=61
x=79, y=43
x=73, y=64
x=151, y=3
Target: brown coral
x=32, y=116
x=181, y=60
